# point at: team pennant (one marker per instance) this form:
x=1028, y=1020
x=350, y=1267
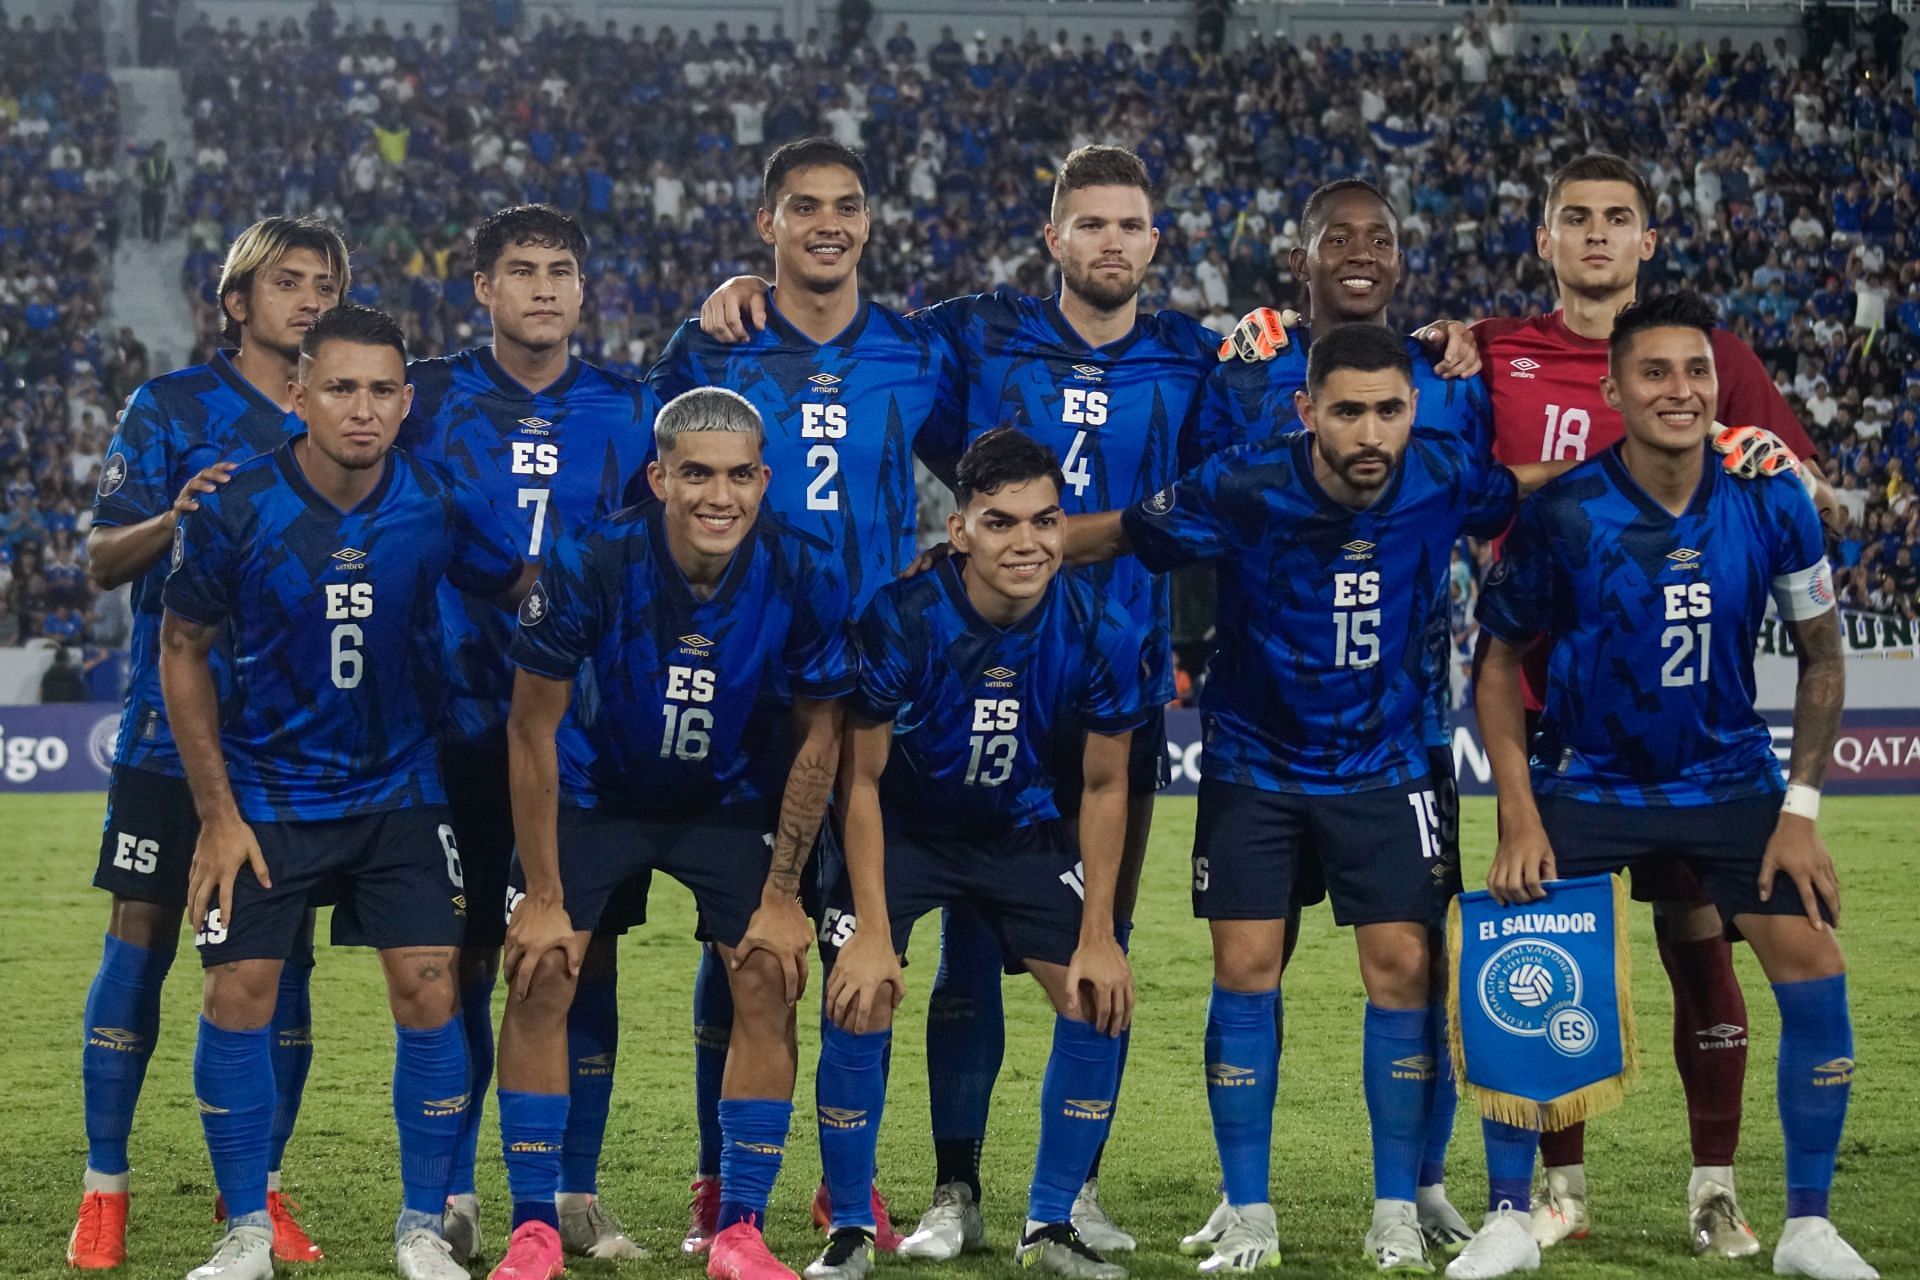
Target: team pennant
x=1539, y=1016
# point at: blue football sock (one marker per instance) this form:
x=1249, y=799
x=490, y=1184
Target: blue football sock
x=1076, y=1097
x=1243, y=1072
x=712, y=1032
x=1446, y=1100
x=966, y=1028
x=233, y=1081
x=120, y=1026
x=1510, y=1153
x=430, y=1098
x=753, y=1140
x=1123, y=933
x=1398, y=1095
x=532, y=1127
x=1815, y=1079
x=593, y=1041
x=850, y=1091
x=292, y=1053
x=476, y=1025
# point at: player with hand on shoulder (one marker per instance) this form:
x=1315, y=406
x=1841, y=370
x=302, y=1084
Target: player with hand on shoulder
x=676, y=708
x=990, y=745
x=551, y=443
x=1330, y=544
x=318, y=565
x=180, y=438
x=1648, y=565
x=1109, y=389
x=1544, y=378
x=850, y=391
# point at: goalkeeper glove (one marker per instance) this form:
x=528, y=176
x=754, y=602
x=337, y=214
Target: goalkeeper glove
x=1260, y=336
x=1755, y=452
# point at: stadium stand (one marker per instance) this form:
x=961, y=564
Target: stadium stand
x=60, y=186
x=1786, y=186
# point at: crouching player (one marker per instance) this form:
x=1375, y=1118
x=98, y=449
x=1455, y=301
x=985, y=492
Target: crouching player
x=320, y=563
x=666, y=648
x=982, y=683
x=1649, y=571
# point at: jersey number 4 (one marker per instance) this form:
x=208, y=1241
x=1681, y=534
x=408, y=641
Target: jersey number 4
x=1085, y=409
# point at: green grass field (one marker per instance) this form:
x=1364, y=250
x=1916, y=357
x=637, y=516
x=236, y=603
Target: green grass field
x=1160, y=1172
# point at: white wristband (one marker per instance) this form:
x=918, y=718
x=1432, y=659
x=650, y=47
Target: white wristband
x=1802, y=801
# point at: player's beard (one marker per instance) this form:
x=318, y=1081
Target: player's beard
x=1344, y=464
x=1102, y=295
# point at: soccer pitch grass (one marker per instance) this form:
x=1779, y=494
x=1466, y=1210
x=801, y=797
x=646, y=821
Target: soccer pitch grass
x=1160, y=1173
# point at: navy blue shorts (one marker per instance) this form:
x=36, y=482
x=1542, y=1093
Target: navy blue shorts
x=481, y=802
x=1026, y=884
x=394, y=877
x=722, y=856
x=146, y=847
x=1721, y=845
x=1378, y=853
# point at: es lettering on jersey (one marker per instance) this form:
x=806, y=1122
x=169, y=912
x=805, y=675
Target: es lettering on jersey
x=1247, y=401
x=174, y=427
x=988, y=720
x=843, y=421
x=1325, y=612
x=1652, y=619
x=680, y=704
x=547, y=462
x=334, y=622
x=1114, y=415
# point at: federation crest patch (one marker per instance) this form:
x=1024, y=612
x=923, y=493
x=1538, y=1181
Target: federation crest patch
x=113, y=474
x=1160, y=503
x=179, y=546
x=534, y=609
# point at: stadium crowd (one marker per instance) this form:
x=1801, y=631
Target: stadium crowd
x=1786, y=187
x=60, y=180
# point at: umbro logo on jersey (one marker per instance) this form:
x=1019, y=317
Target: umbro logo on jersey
x=537, y=426
x=695, y=645
x=349, y=555
x=1523, y=367
x=1685, y=555
x=1227, y=1076
x=1090, y=372
x=824, y=380
x=1359, y=549
x=1000, y=673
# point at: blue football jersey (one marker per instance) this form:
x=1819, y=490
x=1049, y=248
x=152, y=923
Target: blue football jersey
x=1113, y=414
x=174, y=427
x=987, y=719
x=1325, y=612
x=1246, y=402
x=1653, y=619
x=680, y=704
x=843, y=420
x=334, y=622
x=546, y=462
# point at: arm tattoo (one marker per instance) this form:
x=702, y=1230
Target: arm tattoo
x=1818, y=697
x=803, y=807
